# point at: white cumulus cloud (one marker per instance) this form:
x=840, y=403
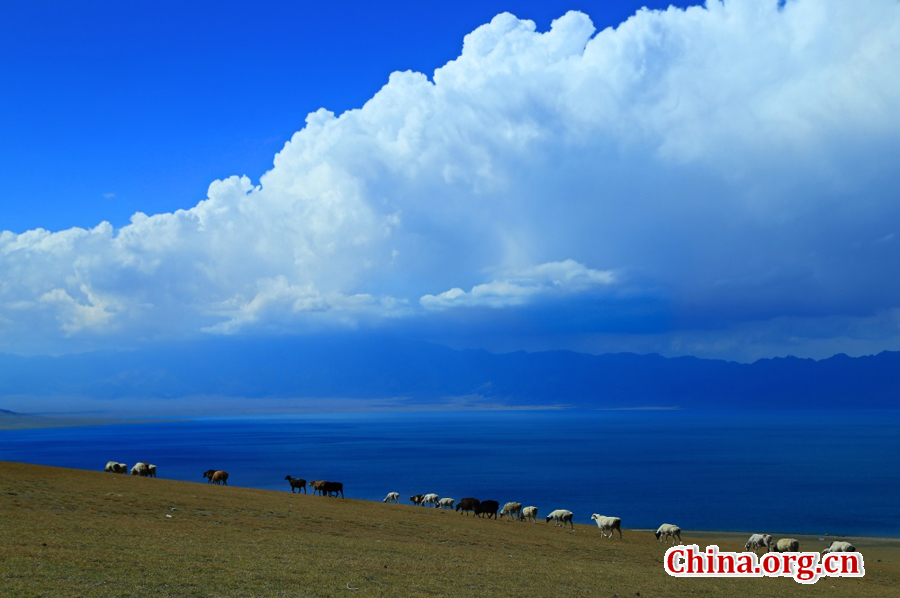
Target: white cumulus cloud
x=734, y=161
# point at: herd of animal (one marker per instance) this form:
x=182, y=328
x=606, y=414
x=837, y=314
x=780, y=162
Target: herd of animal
x=146, y=470
x=491, y=508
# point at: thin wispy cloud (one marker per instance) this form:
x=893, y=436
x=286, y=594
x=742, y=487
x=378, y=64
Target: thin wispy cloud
x=733, y=162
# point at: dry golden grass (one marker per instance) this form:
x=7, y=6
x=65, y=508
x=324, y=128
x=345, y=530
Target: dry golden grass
x=69, y=532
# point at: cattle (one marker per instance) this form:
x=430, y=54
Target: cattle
x=561, y=516
x=487, y=507
x=219, y=477
x=151, y=470
x=296, y=484
x=467, y=504
x=607, y=524
x=208, y=474
x=333, y=488
x=317, y=486
x=416, y=499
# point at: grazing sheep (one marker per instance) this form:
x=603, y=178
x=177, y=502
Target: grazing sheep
x=296, y=484
x=667, y=529
x=317, y=486
x=530, y=514
x=607, y=524
x=758, y=541
x=840, y=546
x=561, y=516
x=511, y=508
x=392, y=497
x=333, y=488
x=151, y=470
x=487, y=507
x=445, y=502
x=139, y=469
x=208, y=474
x=416, y=499
x=430, y=499
x=219, y=477
x=785, y=545
x=467, y=504
x=115, y=467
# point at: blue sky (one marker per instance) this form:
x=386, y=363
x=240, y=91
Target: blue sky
x=718, y=181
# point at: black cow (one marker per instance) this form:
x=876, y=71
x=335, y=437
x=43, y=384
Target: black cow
x=490, y=507
x=468, y=504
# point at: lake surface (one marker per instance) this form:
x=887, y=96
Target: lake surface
x=818, y=473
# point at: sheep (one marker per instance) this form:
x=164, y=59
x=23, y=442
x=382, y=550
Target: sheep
x=840, y=546
x=139, y=469
x=785, y=545
x=487, y=507
x=416, y=499
x=296, y=484
x=607, y=524
x=392, y=497
x=758, y=541
x=511, y=508
x=530, y=514
x=467, y=504
x=561, y=516
x=667, y=529
x=445, y=502
x=219, y=477
x=151, y=470
x=115, y=467
x=317, y=486
x=430, y=499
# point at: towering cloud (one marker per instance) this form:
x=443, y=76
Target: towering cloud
x=733, y=166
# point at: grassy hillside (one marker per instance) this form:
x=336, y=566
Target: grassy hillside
x=72, y=532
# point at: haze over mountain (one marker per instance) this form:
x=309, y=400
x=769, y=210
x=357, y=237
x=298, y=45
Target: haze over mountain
x=421, y=375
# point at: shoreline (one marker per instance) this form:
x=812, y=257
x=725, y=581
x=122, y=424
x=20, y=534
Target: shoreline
x=22, y=421
x=689, y=536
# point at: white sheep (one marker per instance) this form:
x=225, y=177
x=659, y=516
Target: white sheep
x=139, y=469
x=840, y=546
x=115, y=467
x=530, y=513
x=445, y=502
x=667, y=529
x=392, y=497
x=758, y=541
x=430, y=499
x=511, y=508
x=561, y=516
x=607, y=524
x=785, y=545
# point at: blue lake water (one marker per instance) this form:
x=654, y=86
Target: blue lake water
x=819, y=473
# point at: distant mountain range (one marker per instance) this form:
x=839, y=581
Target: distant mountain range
x=427, y=373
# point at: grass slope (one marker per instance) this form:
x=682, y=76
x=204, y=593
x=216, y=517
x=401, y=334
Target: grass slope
x=80, y=533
